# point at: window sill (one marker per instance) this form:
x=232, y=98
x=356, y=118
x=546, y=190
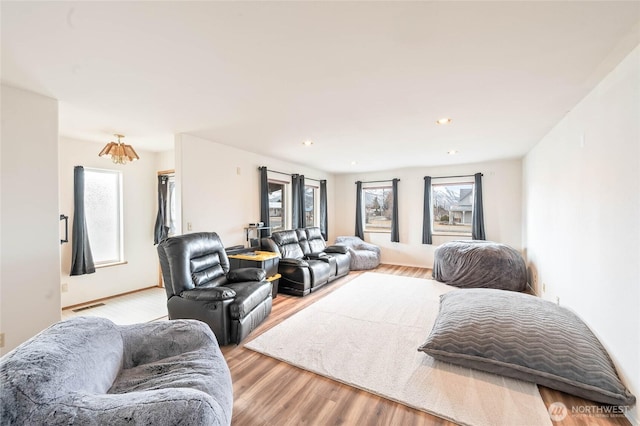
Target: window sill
x=107, y=265
x=377, y=231
x=450, y=234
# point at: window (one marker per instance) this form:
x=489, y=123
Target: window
x=277, y=205
x=378, y=205
x=310, y=205
x=103, y=206
x=171, y=205
x=452, y=205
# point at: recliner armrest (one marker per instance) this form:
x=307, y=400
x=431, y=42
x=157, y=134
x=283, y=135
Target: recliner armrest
x=209, y=294
x=293, y=262
x=337, y=248
x=246, y=274
x=318, y=256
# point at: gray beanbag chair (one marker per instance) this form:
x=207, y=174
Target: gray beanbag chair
x=480, y=264
x=90, y=371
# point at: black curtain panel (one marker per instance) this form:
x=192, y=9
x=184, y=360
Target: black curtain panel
x=302, y=221
x=264, y=201
x=297, y=202
x=359, y=227
x=81, y=257
x=477, y=226
x=161, y=230
x=324, y=221
x=395, y=232
x=426, y=212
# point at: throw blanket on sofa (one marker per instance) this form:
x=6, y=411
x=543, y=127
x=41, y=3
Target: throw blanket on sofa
x=480, y=264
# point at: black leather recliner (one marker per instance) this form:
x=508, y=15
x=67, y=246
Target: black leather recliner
x=306, y=262
x=199, y=285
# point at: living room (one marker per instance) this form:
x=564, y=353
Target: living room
x=567, y=197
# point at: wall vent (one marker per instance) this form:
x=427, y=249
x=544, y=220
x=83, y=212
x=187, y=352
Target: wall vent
x=84, y=308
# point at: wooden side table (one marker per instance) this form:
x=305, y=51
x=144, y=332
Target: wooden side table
x=266, y=260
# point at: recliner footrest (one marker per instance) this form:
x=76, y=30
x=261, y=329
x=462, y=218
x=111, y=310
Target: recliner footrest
x=248, y=296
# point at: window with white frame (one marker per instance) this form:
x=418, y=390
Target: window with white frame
x=378, y=205
x=452, y=208
x=171, y=206
x=277, y=205
x=311, y=205
x=103, y=209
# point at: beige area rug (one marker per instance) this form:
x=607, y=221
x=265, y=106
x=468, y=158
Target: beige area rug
x=366, y=334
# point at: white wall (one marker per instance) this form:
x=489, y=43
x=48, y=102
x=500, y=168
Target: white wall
x=502, y=198
x=30, y=292
x=140, y=207
x=219, y=187
x=166, y=160
x=582, y=210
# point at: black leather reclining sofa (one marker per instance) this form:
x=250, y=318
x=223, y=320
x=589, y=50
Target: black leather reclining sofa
x=306, y=262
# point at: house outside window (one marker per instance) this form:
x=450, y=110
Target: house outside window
x=378, y=205
x=452, y=205
x=277, y=205
x=103, y=209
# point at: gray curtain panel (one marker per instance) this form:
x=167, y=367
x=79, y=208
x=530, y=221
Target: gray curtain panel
x=297, y=202
x=395, y=232
x=359, y=227
x=81, y=257
x=324, y=221
x=264, y=201
x=477, y=225
x=160, y=230
x=426, y=212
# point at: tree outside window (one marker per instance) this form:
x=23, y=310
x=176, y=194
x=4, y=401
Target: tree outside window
x=378, y=205
x=310, y=205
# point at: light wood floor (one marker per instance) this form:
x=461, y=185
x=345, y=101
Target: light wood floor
x=140, y=306
x=271, y=392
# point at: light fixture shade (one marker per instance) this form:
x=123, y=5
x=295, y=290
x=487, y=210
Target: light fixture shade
x=119, y=152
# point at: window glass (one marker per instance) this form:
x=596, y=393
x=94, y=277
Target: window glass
x=171, y=206
x=103, y=208
x=452, y=207
x=378, y=205
x=310, y=205
x=277, y=206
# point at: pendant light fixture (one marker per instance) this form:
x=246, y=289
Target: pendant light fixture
x=119, y=152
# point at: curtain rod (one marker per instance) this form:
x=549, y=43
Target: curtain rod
x=449, y=177
x=377, y=181
x=289, y=174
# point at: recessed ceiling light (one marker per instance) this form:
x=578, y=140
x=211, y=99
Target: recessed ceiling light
x=452, y=152
x=307, y=143
x=353, y=163
x=444, y=120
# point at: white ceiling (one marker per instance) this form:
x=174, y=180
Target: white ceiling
x=365, y=81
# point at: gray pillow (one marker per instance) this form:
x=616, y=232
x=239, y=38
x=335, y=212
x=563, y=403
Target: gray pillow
x=527, y=338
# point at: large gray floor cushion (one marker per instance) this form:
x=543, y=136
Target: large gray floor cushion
x=527, y=338
x=480, y=264
x=363, y=255
x=90, y=371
